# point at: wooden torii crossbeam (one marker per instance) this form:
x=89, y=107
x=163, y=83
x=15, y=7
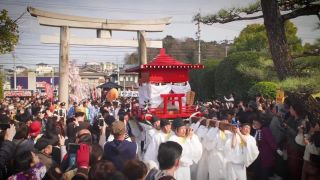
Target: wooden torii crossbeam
x=104, y=28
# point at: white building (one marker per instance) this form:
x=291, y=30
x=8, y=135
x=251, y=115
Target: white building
x=43, y=68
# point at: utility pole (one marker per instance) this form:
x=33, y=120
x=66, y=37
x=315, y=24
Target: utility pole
x=118, y=72
x=198, y=38
x=14, y=70
x=52, y=78
x=226, y=47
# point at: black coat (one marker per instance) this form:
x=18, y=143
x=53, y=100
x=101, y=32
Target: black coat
x=7, y=150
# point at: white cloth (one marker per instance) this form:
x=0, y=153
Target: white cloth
x=144, y=93
x=181, y=89
x=191, y=153
x=156, y=91
x=215, y=144
x=149, y=135
x=203, y=167
x=310, y=149
x=153, y=147
x=240, y=156
x=152, y=93
x=116, y=111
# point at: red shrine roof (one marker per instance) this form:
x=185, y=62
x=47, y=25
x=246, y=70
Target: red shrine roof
x=164, y=61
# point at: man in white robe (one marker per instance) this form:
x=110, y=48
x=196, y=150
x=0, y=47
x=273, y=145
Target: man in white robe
x=202, y=171
x=215, y=144
x=240, y=150
x=192, y=148
x=152, y=131
x=159, y=137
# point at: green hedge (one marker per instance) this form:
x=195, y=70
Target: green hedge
x=267, y=89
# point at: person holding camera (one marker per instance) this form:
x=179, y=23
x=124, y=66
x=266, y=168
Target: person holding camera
x=294, y=150
x=7, y=150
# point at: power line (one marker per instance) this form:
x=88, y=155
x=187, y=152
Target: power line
x=109, y=9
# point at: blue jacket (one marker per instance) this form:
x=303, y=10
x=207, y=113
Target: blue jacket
x=118, y=152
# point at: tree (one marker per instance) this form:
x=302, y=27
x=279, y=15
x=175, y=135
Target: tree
x=274, y=24
x=185, y=50
x=240, y=71
x=251, y=38
x=254, y=38
x=203, y=81
x=265, y=88
x=9, y=32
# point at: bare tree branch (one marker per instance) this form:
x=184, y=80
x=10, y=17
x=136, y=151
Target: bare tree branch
x=308, y=10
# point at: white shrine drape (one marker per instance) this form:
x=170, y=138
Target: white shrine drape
x=152, y=92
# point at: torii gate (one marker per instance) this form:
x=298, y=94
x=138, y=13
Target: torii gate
x=104, y=29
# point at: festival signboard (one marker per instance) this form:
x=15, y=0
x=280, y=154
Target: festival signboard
x=129, y=94
x=17, y=93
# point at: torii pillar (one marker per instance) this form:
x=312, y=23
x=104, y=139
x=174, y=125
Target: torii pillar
x=142, y=48
x=104, y=28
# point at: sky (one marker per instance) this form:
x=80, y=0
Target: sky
x=31, y=51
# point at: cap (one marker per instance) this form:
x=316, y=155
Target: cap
x=35, y=128
x=118, y=128
x=62, y=104
x=177, y=123
x=164, y=122
x=154, y=119
x=42, y=143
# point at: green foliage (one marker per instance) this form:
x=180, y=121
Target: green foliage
x=254, y=38
x=251, y=38
x=267, y=89
x=9, y=33
x=302, y=84
x=307, y=66
x=240, y=71
x=312, y=49
x=203, y=81
x=308, y=79
x=252, y=8
x=294, y=43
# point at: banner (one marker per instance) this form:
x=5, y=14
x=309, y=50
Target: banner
x=49, y=91
x=129, y=94
x=17, y=93
x=280, y=96
x=41, y=84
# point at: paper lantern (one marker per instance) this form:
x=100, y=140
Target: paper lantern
x=112, y=94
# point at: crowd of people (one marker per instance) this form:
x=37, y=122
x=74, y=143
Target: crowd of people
x=92, y=140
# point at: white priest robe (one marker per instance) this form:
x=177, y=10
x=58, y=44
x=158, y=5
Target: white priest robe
x=203, y=168
x=240, y=156
x=153, y=147
x=194, y=166
x=191, y=153
x=215, y=144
